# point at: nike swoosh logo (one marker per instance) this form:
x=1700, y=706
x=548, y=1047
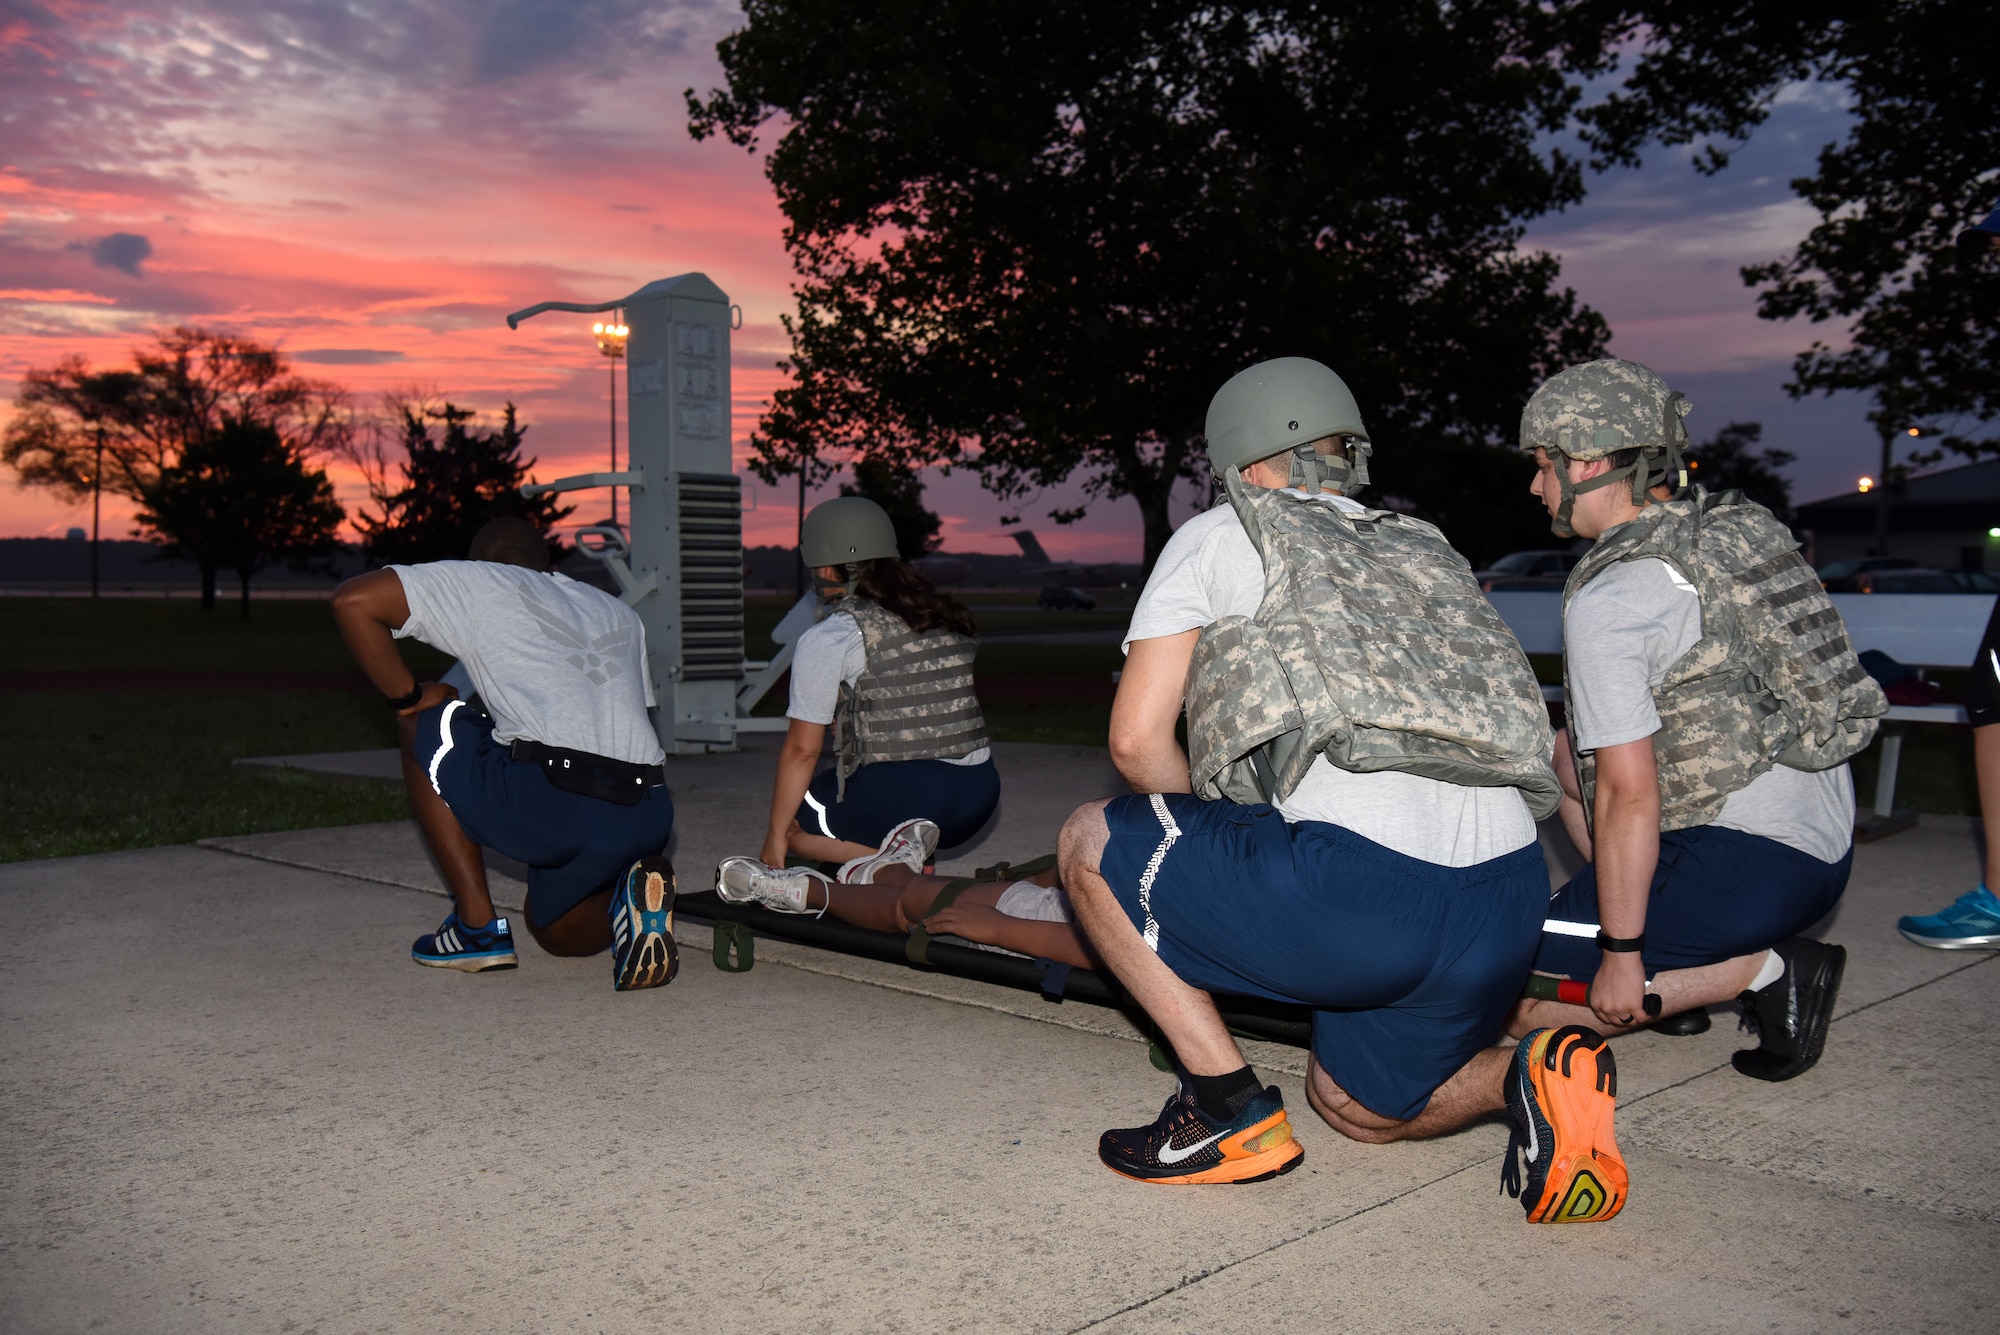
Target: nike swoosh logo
x=1169, y=1155
x=1527, y=1101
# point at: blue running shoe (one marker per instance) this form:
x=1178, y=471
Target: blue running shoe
x=1972, y=923
x=473, y=949
x=642, y=927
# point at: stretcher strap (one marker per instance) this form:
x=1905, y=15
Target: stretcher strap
x=740, y=936
x=918, y=949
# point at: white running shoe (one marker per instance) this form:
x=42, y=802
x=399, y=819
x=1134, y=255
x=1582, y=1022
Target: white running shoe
x=909, y=845
x=745, y=880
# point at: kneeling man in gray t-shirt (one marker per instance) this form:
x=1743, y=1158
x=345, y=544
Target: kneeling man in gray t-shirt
x=1713, y=700
x=552, y=762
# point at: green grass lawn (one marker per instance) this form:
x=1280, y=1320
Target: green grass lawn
x=97, y=770
x=94, y=770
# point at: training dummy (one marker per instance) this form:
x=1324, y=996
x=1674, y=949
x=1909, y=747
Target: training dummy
x=889, y=891
x=1356, y=834
x=553, y=762
x=889, y=668
x=1713, y=700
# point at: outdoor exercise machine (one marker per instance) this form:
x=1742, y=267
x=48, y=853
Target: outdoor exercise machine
x=681, y=567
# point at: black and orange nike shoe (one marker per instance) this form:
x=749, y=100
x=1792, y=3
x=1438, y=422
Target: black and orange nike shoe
x=1187, y=1147
x=1561, y=1093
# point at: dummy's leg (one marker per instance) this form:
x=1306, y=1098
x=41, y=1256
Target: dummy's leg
x=458, y=858
x=821, y=848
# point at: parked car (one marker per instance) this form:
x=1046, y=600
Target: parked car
x=1903, y=580
x=1861, y=565
x=1063, y=598
x=1528, y=570
x=1974, y=581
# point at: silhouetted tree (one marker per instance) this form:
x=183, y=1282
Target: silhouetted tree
x=241, y=499
x=453, y=481
x=1730, y=458
x=1921, y=162
x=176, y=394
x=1033, y=239
x=901, y=492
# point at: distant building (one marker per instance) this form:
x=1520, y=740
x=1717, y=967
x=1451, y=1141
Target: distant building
x=1949, y=520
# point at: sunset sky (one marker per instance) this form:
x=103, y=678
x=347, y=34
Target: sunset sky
x=374, y=185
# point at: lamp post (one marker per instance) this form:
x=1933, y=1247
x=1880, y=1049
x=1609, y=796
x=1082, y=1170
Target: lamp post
x=1883, y=487
x=611, y=342
x=96, y=506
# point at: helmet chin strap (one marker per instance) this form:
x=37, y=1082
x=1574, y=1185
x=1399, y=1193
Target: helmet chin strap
x=1313, y=471
x=831, y=591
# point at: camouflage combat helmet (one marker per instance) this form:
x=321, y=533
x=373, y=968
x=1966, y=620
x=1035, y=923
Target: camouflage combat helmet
x=845, y=531
x=1600, y=408
x=1288, y=403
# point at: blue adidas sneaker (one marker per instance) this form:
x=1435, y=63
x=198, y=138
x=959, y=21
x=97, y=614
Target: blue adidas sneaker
x=1971, y=923
x=642, y=927
x=473, y=949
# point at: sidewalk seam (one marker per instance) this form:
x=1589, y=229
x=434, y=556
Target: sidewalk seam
x=1189, y=1281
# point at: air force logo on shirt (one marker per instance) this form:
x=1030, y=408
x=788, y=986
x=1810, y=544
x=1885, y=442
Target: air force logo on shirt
x=597, y=659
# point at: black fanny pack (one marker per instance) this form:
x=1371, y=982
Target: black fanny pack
x=581, y=772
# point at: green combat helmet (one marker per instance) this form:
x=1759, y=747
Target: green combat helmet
x=1288, y=403
x=1599, y=408
x=845, y=531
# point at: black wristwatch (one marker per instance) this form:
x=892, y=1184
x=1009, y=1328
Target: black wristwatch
x=416, y=694
x=1620, y=945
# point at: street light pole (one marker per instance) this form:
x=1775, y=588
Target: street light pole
x=1881, y=547
x=611, y=342
x=96, y=506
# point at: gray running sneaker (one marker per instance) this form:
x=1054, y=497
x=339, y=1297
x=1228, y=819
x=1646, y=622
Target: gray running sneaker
x=908, y=845
x=745, y=880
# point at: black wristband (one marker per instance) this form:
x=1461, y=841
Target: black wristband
x=1621, y=945
x=416, y=694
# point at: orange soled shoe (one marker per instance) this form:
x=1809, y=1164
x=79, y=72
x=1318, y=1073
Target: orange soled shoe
x=1561, y=1093
x=1187, y=1147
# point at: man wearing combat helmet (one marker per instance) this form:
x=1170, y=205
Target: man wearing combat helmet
x=1352, y=826
x=1713, y=701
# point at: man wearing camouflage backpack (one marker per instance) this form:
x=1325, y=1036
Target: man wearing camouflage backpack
x=1713, y=702
x=1353, y=831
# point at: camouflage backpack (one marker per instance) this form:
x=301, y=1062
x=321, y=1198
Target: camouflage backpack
x=914, y=699
x=1374, y=647
x=1773, y=679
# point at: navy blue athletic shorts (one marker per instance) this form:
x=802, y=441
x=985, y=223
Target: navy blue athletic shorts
x=959, y=798
x=1410, y=968
x=1717, y=894
x=573, y=845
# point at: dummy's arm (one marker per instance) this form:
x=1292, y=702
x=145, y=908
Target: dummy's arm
x=367, y=608
x=796, y=761
x=1143, y=745
x=1627, y=820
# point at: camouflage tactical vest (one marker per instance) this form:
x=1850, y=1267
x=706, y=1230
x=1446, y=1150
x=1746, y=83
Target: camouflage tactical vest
x=1374, y=647
x=913, y=700
x=1773, y=679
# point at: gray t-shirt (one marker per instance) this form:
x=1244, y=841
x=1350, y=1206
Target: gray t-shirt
x=1621, y=634
x=1209, y=571
x=554, y=661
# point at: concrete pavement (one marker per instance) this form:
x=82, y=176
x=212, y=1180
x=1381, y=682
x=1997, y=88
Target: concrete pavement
x=230, y=1102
